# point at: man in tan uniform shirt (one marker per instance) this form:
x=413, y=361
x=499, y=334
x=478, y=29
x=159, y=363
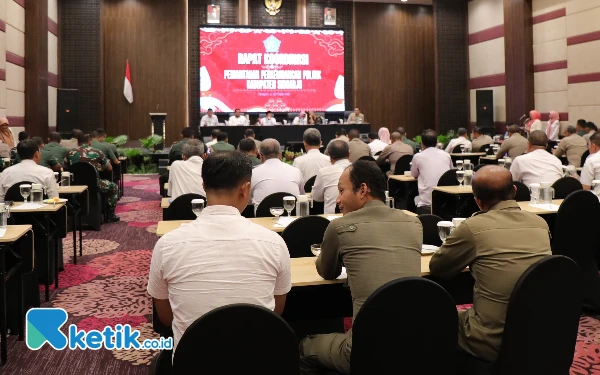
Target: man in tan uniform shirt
x=515, y=145
x=356, y=115
x=357, y=147
x=498, y=244
x=394, y=152
x=572, y=145
x=480, y=140
x=361, y=241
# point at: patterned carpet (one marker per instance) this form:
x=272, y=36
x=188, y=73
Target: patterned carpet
x=108, y=286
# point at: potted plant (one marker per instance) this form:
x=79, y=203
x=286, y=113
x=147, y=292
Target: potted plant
x=149, y=143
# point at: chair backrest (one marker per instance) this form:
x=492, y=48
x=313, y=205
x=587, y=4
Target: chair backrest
x=265, y=343
x=403, y=164
x=378, y=153
x=565, y=186
x=548, y=294
x=272, y=200
x=448, y=178
x=181, y=208
x=14, y=192
x=367, y=158
x=584, y=156
x=389, y=338
x=484, y=147
x=302, y=233
x=85, y=173
x=457, y=150
x=576, y=236
x=430, y=230
x=523, y=194
x=309, y=184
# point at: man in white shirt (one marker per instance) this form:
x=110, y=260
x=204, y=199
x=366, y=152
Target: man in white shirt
x=209, y=119
x=28, y=170
x=590, y=129
x=221, y=258
x=273, y=175
x=310, y=163
x=375, y=144
x=185, y=176
x=427, y=167
x=213, y=136
x=591, y=168
x=537, y=165
x=237, y=119
x=325, y=188
x=268, y=120
x=461, y=140
x=300, y=120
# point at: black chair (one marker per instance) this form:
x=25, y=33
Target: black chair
x=448, y=178
x=457, y=150
x=14, y=192
x=430, y=230
x=86, y=174
x=378, y=153
x=388, y=338
x=302, y=233
x=577, y=238
x=548, y=294
x=309, y=184
x=269, y=344
x=484, y=147
x=181, y=208
x=248, y=211
x=565, y=186
x=584, y=157
x=272, y=200
x=522, y=192
x=403, y=164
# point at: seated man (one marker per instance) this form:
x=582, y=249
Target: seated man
x=72, y=143
x=273, y=175
x=310, y=163
x=176, y=151
x=237, y=119
x=248, y=148
x=498, y=245
x=407, y=140
x=537, y=165
x=480, y=140
x=361, y=241
x=356, y=117
x=300, y=119
x=28, y=170
x=461, y=140
x=249, y=134
x=268, y=120
x=591, y=168
x=358, y=148
x=220, y=258
x=573, y=146
x=394, y=152
x=515, y=145
x=339, y=134
x=222, y=143
x=213, y=138
x=55, y=148
x=102, y=138
x=48, y=160
x=375, y=144
x=580, y=127
x=106, y=150
x=85, y=153
x=427, y=167
x=325, y=188
x=209, y=119
x=185, y=176
x=590, y=129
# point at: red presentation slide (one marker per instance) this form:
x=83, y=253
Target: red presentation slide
x=278, y=70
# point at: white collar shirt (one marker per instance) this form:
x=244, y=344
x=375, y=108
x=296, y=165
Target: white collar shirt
x=591, y=169
x=536, y=167
x=310, y=163
x=213, y=142
x=237, y=121
x=325, y=188
x=209, y=121
x=457, y=142
x=376, y=146
x=275, y=176
x=28, y=170
x=221, y=258
x=268, y=121
x=299, y=120
x=185, y=177
x=427, y=167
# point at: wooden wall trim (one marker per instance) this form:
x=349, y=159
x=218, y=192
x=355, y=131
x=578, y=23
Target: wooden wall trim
x=36, y=68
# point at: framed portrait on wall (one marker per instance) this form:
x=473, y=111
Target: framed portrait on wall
x=329, y=16
x=213, y=13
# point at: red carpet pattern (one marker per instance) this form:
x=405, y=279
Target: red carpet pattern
x=108, y=287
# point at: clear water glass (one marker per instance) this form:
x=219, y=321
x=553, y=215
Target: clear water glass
x=460, y=177
x=444, y=229
x=289, y=203
x=462, y=148
x=25, y=191
x=468, y=178
x=315, y=249
x=276, y=211
x=37, y=195
x=459, y=165
x=534, y=190
x=197, y=206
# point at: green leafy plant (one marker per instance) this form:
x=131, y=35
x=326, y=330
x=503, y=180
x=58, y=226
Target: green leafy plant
x=132, y=152
x=118, y=140
x=142, y=169
x=289, y=156
x=417, y=139
x=443, y=139
x=150, y=142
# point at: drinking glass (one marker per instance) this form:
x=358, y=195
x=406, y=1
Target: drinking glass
x=467, y=165
x=459, y=165
x=197, y=206
x=487, y=150
x=25, y=191
x=276, y=211
x=468, y=177
x=501, y=162
x=315, y=249
x=462, y=148
x=289, y=203
x=460, y=176
x=534, y=190
x=444, y=229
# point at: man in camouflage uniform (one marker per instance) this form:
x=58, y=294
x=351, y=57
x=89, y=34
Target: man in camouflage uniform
x=85, y=153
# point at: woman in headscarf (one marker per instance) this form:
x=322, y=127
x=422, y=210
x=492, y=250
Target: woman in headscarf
x=535, y=122
x=6, y=134
x=384, y=135
x=553, y=127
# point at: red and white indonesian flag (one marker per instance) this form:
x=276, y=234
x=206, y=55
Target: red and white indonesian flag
x=128, y=89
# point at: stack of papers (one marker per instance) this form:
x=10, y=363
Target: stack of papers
x=27, y=206
x=2, y=232
x=284, y=221
x=343, y=275
x=545, y=206
x=429, y=249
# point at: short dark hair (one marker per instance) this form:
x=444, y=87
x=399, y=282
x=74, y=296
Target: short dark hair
x=538, y=138
x=83, y=139
x=268, y=112
x=312, y=137
x=55, y=137
x=571, y=129
x=591, y=125
x=187, y=132
x=249, y=133
x=222, y=136
x=101, y=132
x=209, y=110
x=94, y=134
x=368, y=173
x=595, y=139
x=490, y=194
x=214, y=133
x=401, y=130
x=341, y=132
x=429, y=138
x=476, y=129
x=373, y=135
x=338, y=150
x=23, y=136
x=581, y=122
x=27, y=148
x=226, y=170
x=247, y=145
x=38, y=140
x=512, y=129
x=461, y=131
x=354, y=133
x=76, y=133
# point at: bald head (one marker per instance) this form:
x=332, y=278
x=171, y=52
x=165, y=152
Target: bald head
x=396, y=137
x=269, y=148
x=492, y=184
